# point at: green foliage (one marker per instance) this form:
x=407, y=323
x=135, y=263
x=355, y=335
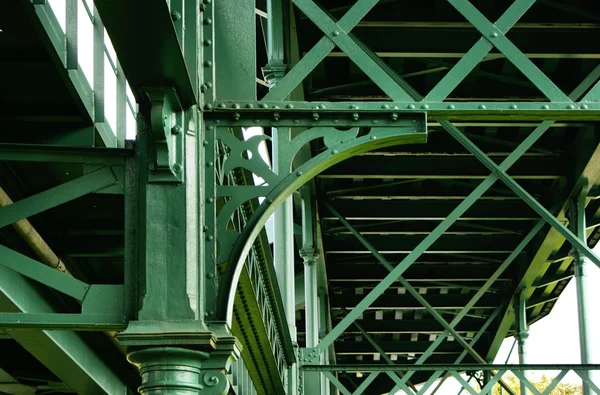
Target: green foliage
x=563, y=388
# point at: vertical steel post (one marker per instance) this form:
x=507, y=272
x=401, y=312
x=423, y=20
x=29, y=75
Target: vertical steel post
x=582, y=281
x=310, y=255
x=522, y=332
x=283, y=218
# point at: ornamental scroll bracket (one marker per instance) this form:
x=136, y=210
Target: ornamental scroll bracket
x=166, y=136
x=330, y=144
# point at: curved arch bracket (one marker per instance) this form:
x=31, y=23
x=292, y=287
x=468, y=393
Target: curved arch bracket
x=233, y=215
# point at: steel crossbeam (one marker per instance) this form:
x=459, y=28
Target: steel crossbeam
x=58, y=195
x=308, y=62
x=430, y=239
x=476, y=54
x=512, y=53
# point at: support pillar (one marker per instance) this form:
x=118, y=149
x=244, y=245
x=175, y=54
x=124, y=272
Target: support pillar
x=584, y=285
x=175, y=348
x=312, y=383
x=522, y=333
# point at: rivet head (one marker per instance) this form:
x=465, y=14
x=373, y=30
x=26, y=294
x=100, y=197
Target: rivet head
x=210, y=238
x=207, y=63
x=152, y=166
x=263, y=105
x=210, y=200
x=321, y=106
x=296, y=121
x=571, y=107
x=299, y=173
x=249, y=105
x=208, y=106
x=210, y=275
x=546, y=107
x=222, y=105
x=333, y=152
x=289, y=106
x=176, y=167
x=208, y=21
x=373, y=137
x=336, y=121
x=176, y=129
x=374, y=122
x=236, y=106
x=175, y=16
x=207, y=43
x=209, y=164
x=354, y=107
x=513, y=106
x=411, y=106
x=425, y=106
x=385, y=107
x=494, y=35
x=451, y=107
x=335, y=33
x=256, y=121
x=584, y=107
x=482, y=107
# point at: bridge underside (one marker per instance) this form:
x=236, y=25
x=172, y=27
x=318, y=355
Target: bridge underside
x=433, y=169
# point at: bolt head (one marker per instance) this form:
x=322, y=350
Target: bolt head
x=176, y=167
x=176, y=129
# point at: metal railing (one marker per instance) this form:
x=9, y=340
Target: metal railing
x=82, y=44
x=260, y=272
x=488, y=385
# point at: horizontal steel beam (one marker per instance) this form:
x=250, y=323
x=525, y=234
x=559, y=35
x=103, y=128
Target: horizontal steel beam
x=444, y=367
x=403, y=326
x=62, y=321
x=453, y=167
x=447, y=110
x=438, y=301
x=390, y=244
x=52, y=154
x=395, y=347
x=418, y=272
x=430, y=210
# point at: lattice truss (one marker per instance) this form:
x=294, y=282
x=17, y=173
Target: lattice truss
x=338, y=130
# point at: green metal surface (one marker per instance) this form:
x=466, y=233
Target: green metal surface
x=397, y=144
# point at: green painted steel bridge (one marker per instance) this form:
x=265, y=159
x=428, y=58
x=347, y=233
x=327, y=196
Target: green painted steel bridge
x=293, y=196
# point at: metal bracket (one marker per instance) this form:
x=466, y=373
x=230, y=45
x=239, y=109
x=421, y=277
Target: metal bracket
x=166, y=136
